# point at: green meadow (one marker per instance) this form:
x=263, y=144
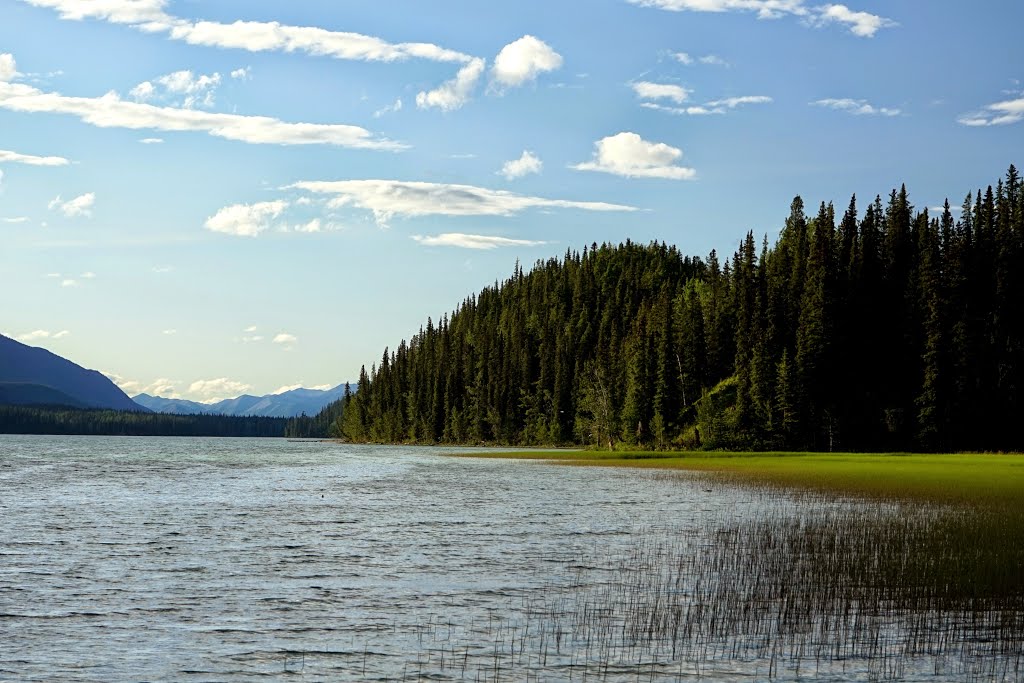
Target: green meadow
x=983, y=479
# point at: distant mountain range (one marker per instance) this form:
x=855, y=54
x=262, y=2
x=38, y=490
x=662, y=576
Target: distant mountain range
x=33, y=376
x=286, y=404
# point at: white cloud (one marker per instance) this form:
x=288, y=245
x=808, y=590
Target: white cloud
x=766, y=9
x=312, y=226
x=861, y=24
x=627, y=154
x=79, y=206
x=733, y=102
x=69, y=283
x=389, y=198
x=857, y=107
x=110, y=111
x=245, y=219
x=522, y=61
x=389, y=109
x=287, y=387
x=53, y=275
x=170, y=332
x=8, y=69
x=516, y=168
x=458, y=239
x=15, y=219
x=16, y=158
x=166, y=388
x=242, y=74
x=128, y=386
x=452, y=94
x=212, y=390
x=143, y=92
x=998, y=114
x=696, y=110
x=151, y=141
x=196, y=89
x=162, y=269
x=687, y=59
x=87, y=275
x=253, y=338
x=254, y=36
x=660, y=91
x=251, y=328
x=38, y=335
x=285, y=338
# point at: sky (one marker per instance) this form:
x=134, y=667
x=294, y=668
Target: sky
x=203, y=199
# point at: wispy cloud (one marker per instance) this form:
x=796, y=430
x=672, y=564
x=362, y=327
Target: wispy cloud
x=997, y=114
x=464, y=241
x=453, y=94
x=862, y=24
x=856, y=107
x=39, y=335
x=627, y=154
x=395, y=106
x=687, y=59
x=16, y=158
x=110, y=111
x=151, y=141
x=285, y=340
x=79, y=206
x=15, y=219
x=387, y=199
x=213, y=390
x=254, y=36
x=660, y=91
x=526, y=164
x=246, y=220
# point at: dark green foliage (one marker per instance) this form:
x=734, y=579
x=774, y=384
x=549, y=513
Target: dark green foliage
x=63, y=420
x=894, y=330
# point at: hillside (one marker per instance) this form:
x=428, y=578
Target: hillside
x=889, y=329
x=22, y=364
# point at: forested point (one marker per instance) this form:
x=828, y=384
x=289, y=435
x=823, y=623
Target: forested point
x=21, y=419
x=887, y=329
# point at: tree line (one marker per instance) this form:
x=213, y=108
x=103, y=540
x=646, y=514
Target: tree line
x=23, y=419
x=891, y=328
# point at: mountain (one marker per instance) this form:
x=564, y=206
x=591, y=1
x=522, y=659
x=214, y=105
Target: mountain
x=24, y=394
x=175, y=406
x=286, y=404
x=23, y=365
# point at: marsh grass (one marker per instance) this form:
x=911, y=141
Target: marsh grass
x=814, y=585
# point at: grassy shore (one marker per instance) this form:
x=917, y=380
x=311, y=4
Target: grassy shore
x=954, y=478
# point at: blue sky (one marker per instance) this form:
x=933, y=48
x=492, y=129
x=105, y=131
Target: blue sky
x=208, y=198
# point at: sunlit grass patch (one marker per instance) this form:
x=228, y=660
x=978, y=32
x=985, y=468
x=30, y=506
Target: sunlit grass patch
x=954, y=478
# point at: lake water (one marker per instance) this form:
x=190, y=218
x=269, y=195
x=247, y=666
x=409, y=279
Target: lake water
x=131, y=558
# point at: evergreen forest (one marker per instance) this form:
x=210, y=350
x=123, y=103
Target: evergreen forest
x=868, y=328
x=36, y=419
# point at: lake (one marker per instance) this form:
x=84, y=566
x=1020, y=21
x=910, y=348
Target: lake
x=131, y=558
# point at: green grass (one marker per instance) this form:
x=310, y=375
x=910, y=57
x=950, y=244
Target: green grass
x=954, y=478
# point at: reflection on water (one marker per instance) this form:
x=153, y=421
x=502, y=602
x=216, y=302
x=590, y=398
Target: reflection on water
x=168, y=559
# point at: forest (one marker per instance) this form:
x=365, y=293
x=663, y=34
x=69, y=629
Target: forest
x=892, y=328
x=33, y=419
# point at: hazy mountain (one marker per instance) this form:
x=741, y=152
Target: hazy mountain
x=24, y=394
x=286, y=404
x=21, y=364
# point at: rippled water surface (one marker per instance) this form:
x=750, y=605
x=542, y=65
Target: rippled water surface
x=130, y=558
x=157, y=558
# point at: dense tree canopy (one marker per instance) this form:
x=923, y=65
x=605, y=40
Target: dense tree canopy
x=890, y=328
x=33, y=419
